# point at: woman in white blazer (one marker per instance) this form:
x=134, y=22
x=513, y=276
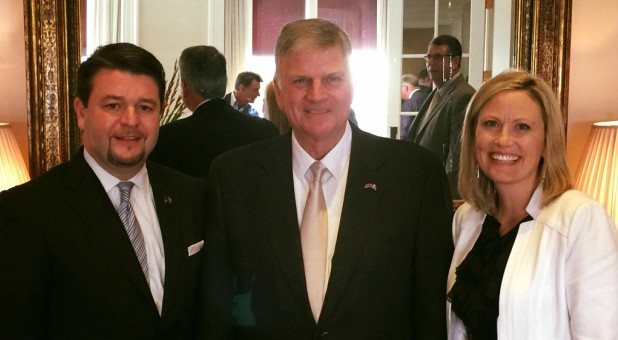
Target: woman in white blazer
x=533, y=259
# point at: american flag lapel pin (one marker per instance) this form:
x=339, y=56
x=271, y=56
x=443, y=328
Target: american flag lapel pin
x=371, y=186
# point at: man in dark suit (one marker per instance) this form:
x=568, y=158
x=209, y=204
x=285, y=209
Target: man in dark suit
x=189, y=145
x=246, y=89
x=439, y=122
x=352, y=240
x=424, y=82
x=106, y=245
x=413, y=98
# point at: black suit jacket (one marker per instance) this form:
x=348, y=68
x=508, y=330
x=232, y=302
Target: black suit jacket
x=441, y=132
x=70, y=272
x=393, y=250
x=190, y=144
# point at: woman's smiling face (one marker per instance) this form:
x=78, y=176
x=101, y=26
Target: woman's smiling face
x=510, y=140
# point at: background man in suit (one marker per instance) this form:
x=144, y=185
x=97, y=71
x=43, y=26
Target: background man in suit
x=413, y=98
x=424, y=82
x=246, y=89
x=361, y=254
x=81, y=256
x=439, y=121
x=190, y=144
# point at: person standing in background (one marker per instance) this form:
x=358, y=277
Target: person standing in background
x=272, y=112
x=246, y=89
x=437, y=126
x=410, y=89
x=190, y=144
x=424, y=82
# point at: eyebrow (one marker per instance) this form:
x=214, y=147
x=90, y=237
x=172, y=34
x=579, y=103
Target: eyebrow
x=139, y=100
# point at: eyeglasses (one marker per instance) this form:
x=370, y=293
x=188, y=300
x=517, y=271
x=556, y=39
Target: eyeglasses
x=439, y=57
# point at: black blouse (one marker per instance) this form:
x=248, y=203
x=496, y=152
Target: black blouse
x=475, y=295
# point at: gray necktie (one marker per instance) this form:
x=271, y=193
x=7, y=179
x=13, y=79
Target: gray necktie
x=314, y=239
x=125, y=211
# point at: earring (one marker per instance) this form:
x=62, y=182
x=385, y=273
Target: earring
x=478, y=172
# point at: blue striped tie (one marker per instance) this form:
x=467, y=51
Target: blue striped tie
x=131, y=225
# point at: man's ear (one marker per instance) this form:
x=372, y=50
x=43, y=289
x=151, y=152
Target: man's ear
x=80, y=112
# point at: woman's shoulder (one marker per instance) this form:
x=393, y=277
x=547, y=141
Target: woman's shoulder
x=466, y=216
x=572, y=209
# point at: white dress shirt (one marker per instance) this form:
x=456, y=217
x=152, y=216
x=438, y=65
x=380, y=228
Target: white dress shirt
x=333, y=184
x=142, y=202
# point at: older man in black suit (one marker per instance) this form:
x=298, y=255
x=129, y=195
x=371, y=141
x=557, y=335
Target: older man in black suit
x=189, y=145
x=353, y=239
x=106, y=245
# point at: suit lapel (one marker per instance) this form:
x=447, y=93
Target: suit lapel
x=417, y=128
x=364, y=189
x=274, y=184
x=357, y=219
x=437, y=108
x=163, y=195
x=96, y=211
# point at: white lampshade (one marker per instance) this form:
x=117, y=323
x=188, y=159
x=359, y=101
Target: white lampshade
x=598, y=172
x=12, y=167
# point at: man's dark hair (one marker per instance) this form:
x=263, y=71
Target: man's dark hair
x=423, y=74
x=246, y=78
x=203, y=70
x=454, y=46
x=124, y=57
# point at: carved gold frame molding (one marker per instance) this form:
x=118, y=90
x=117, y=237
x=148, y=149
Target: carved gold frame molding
x=52, y=55
x=543, y=42
x=541, y=45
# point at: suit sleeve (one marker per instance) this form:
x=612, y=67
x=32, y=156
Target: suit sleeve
x=434, y=250
x=25, y=279
x=217, y=283
x=451, y=165
x=591, y=274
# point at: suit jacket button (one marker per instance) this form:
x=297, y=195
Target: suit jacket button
x=320, y=334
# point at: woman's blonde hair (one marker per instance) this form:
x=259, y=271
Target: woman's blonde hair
x=275, y=114
x=476, y=188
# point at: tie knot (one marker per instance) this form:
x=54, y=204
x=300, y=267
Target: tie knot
x=317, y=171
x=125, y=190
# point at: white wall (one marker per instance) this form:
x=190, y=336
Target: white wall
x=167, y=28
x=13, y=102
x=593, y=72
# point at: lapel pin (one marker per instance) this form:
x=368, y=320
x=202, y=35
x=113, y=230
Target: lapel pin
x=167, y=200
x=371, y=186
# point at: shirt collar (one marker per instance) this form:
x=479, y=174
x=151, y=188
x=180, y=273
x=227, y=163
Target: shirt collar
x=335, y=160
x=200, y=104
x=534, y=206
x=140, y=180
x=411, y=93
x=447, y=85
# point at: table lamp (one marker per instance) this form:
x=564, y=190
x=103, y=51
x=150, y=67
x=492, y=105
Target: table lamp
x=12, y=167
x=598, y=173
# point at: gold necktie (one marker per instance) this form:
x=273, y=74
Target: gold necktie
x=314, y=240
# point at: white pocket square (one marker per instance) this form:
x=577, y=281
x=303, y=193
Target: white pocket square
x=195, y=248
